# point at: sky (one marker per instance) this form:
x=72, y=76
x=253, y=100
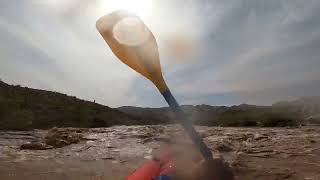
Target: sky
x=212, y=52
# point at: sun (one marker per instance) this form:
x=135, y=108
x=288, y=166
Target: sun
x=142, y=8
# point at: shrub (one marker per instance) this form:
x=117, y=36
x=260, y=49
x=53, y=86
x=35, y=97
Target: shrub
x=20, y=120
x=98, y=122
x=3, y=110
x=262, y=117
x=278, y=118
x=241, y=118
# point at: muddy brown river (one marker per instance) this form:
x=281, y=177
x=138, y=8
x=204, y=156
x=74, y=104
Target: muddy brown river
x=110, y=153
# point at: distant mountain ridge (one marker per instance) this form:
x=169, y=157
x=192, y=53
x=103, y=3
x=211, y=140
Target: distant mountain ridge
x=26, y=108
x=203, y=112
x=304, y=109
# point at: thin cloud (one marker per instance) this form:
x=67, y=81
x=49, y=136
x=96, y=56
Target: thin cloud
x=238, y=51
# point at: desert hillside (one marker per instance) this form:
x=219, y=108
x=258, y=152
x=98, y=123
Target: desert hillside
x=23, y=108
x=290, y=113
x=111, y=152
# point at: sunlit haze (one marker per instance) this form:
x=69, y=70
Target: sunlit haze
x=212, y=52
x=130, y=31
x=142, y=8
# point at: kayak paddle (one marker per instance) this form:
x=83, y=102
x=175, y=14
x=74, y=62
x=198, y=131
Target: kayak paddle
x=135, y=45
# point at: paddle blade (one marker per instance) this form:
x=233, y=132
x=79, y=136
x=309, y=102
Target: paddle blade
x=133, y=43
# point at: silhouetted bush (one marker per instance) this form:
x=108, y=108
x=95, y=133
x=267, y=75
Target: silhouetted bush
x=262, y=117
x=276, y=118
x=98, y=122
x=20, y=120
x=3, y=110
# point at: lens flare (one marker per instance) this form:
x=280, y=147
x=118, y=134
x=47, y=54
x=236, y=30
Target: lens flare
x=131, y=31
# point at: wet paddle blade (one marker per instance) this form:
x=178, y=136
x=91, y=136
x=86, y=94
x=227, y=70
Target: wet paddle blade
x=133, y=43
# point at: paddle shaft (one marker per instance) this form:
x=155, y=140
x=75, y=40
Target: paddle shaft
x=182, y=118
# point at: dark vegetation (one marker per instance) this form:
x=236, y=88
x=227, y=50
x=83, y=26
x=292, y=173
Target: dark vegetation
x=292, y=113
x=23, y=108
x=256, y=116
x=242, y=115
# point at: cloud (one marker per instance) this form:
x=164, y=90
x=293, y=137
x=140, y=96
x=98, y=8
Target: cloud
x=59, y=56
x=254, y=53
x=239, y=51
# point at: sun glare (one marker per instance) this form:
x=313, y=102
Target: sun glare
x=142, y=8
x=131, y=31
